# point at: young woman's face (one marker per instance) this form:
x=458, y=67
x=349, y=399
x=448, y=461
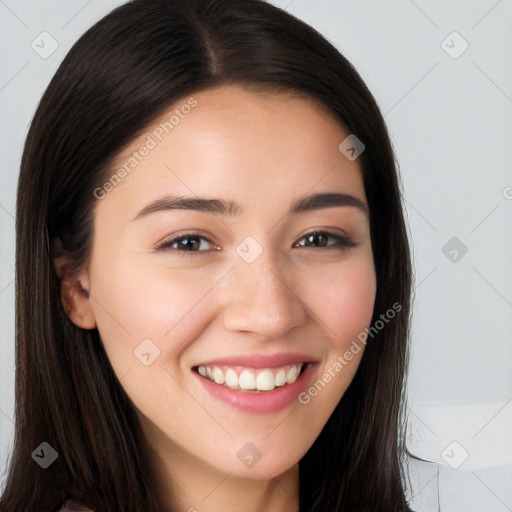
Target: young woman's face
x=239, y=289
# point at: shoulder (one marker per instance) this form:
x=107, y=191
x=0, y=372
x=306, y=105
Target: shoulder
x=74, y=506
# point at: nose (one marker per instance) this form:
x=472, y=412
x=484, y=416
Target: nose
x=262, y=300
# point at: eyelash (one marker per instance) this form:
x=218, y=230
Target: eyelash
x=343, y=243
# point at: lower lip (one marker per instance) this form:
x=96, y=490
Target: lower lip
x=260, y=402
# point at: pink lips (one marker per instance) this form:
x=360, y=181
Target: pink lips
x=261, y=361
x=261, y=401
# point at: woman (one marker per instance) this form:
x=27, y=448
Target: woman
x=213, y=273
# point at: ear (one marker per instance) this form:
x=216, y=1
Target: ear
x=74, y=290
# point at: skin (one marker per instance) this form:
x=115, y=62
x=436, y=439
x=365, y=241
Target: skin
x=262, y=150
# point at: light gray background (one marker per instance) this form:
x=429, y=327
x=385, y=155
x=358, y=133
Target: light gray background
x=450, y=118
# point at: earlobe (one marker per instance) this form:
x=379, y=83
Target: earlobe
x=74, y=290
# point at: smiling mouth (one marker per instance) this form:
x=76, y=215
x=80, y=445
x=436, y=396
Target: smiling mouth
x=252, y=379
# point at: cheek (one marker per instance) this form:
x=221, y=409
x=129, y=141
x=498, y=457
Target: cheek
x=134, y=302
x=344, y=300
x=343, y=296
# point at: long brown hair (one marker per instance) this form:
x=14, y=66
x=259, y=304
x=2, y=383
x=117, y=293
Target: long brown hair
x=118, y=77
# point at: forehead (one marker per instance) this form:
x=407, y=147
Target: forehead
x=251, y=144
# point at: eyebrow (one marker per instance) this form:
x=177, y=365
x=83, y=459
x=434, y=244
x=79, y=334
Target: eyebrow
x=230, y=208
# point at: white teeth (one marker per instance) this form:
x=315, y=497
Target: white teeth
x=218, y=376
x=231, y=378
x=247, y=380
x=264, y=379
x=280, y=378
x=292, y=374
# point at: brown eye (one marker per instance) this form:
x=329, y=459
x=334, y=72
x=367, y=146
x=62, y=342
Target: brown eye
x=186, y=243
x=320, y=239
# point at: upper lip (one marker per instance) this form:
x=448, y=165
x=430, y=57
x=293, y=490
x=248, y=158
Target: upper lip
x=261, y=360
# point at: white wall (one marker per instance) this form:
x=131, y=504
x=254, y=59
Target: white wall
x=450, y=118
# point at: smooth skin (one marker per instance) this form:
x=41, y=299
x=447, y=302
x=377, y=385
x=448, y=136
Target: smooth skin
x=199, y=300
